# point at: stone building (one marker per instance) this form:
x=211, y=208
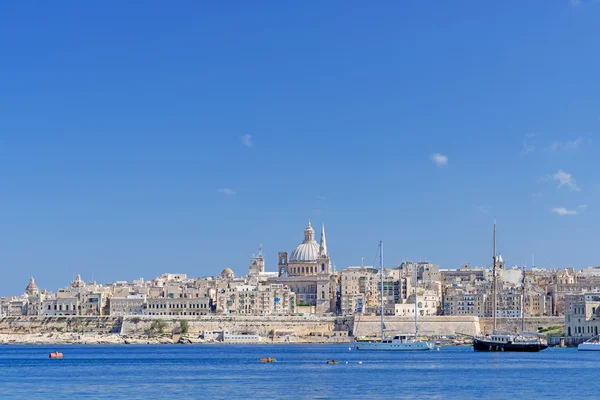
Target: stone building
x=185, y=306
x=582, y=319
x=62, y=303
x=359, y=287
x=428, y=304
x=461, y=301
x=308, y=273
x=134, y=304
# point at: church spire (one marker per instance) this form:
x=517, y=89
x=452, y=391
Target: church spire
x=323, y=246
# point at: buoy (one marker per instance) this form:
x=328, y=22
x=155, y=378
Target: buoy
x=56, y=354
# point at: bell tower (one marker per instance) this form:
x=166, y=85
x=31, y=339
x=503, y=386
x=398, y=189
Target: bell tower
x=282, y=263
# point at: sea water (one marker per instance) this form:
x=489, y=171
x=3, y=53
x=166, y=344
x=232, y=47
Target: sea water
x=301, y=371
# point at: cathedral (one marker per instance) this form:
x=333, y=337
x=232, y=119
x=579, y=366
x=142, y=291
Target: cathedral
x=308, y=272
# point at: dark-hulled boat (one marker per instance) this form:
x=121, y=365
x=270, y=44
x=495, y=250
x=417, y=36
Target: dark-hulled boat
x=506, y=341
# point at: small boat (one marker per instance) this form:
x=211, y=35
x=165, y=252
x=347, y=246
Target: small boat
x=333, y=362
x=592, y=344
x=268, y=360
x=56, y=354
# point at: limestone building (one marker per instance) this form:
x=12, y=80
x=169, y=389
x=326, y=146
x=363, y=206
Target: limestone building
x=308, y=273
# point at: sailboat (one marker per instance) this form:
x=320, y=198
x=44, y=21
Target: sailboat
x=507, y=341
x=399, y=342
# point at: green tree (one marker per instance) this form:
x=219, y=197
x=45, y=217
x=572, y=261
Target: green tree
x=185, y=326
x=158, y=326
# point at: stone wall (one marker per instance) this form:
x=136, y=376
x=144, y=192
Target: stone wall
x=96, y=325
x=371, y=325
x=264, y=325
x=261, y=325
x=532, y=324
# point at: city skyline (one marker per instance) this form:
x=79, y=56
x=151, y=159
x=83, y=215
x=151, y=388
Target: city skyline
x=142, y=140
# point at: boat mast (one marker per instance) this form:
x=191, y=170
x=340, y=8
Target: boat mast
x=494, y=286
x=416, y=313
x=381, y=283
x=523, y=303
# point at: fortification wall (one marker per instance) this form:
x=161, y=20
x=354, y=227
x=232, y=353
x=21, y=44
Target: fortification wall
x=25, y=325
x=439, y=325
x=264, y=325
x=260, y=325
x=532, y=324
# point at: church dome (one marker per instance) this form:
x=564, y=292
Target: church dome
x=227, y=273
x=305, y=252
x=308, y=250
x=32, y=286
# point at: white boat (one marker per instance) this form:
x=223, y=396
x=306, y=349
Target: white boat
x=402, y=342
x=592, y=344
x=399, y=342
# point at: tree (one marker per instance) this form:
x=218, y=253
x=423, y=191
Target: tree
x=158, y=325
x=185, y=326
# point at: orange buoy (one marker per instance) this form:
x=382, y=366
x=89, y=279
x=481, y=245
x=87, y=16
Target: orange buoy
x=56, y=354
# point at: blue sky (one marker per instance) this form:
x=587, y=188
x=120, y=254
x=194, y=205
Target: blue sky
x=137, y=139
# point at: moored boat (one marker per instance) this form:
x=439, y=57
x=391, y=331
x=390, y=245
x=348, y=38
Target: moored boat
x=507, y=341
x=592, y=344
x=399, y=342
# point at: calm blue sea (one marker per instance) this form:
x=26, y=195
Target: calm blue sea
x=216, y=371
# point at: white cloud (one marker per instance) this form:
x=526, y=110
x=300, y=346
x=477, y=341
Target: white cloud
x=227, y=191
x=565, y=179
x=575, y=3
x=563, y=211
x=528, y=147
x=247, y=140
x=439, y=159
x=568, y=145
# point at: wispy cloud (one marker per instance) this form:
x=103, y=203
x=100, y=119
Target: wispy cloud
x=439, y=159
x=484, y=209
x=528, y=147
x=226, y=191
x=563, y=211
x=565, y=179
x=247, y=140
x=567, y=145
x=575, y=3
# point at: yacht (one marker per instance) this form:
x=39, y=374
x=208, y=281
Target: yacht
x=506, y=341
x=398, y=342
x=592, y=344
